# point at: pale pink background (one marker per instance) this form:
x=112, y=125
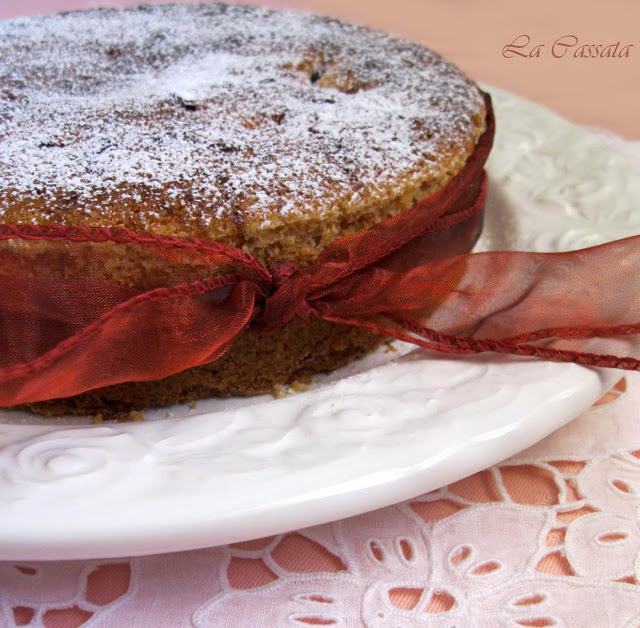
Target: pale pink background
x=472, y=33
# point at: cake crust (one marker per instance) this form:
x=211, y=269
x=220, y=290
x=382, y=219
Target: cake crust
x=272, y=131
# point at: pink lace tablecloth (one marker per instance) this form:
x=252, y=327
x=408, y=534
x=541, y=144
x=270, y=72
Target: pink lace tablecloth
x=549, y=537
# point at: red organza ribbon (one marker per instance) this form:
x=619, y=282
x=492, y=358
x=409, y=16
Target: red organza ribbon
x=69, y=322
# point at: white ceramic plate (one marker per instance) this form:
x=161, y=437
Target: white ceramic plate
x=379, y=431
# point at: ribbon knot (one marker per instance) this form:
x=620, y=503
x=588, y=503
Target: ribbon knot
x=280, y=272
x=289, y=297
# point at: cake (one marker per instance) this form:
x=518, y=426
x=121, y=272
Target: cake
x=271, y=131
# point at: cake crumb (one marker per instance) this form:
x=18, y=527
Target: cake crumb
x=297, y=385
x=97, y=419
x=280, y=390
x=136, y=416
x=193, y=405
x=300, y=385
x=390, y=348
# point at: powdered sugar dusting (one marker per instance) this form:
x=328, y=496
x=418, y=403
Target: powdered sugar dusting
x=229, y=111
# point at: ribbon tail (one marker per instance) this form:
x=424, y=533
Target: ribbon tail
x=458, y=344
x=580, y=306
x=413, y=333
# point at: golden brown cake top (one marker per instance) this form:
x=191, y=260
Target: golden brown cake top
x=199, y=119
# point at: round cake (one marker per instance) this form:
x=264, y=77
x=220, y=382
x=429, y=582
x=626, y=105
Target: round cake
x=271, y=131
